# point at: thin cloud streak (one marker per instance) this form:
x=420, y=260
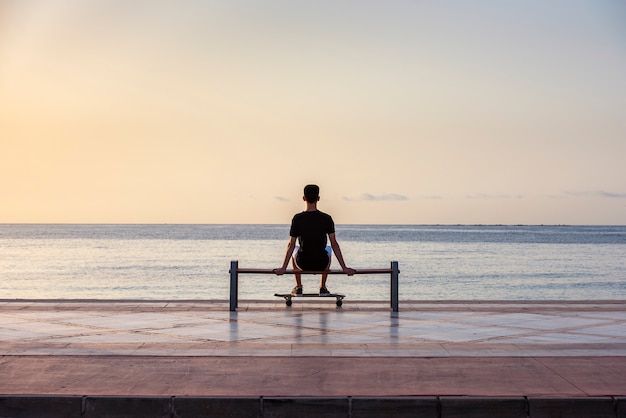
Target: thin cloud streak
x=597, y=193
x=494, y=196
x=384, y=197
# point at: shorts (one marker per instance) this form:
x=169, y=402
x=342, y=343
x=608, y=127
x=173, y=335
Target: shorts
x=313, y=264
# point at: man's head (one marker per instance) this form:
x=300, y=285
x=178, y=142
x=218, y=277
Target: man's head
x=311, y=193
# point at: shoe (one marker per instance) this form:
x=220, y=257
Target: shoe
x=297, y=291
x=324, y=291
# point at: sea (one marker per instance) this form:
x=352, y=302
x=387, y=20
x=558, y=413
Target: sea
x=191, y=262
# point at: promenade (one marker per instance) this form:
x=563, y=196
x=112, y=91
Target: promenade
x=441, y=359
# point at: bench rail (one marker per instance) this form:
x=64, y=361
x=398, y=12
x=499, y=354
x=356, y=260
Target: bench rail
x=235, y=270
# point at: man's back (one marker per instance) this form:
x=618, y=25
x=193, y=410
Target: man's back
x=312, y=229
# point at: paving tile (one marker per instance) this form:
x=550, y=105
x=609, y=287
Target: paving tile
x=613, y=330
x=51, y=328
x=50, y=315
x=117, y=337
x=544, y=322
x=611, y=373
x=7, y=334
x=140, y=320
x=560, y=338
x=334, y=338
x=12, y=320
x=611, y=315
x=198, y=332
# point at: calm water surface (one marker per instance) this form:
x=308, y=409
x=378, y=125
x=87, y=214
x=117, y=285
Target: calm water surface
x=191, y=261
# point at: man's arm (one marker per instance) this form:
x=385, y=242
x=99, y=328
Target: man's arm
x=290, y=247
x=337, y=250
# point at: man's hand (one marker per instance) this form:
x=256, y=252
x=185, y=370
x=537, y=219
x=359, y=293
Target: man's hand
x=349, y=271
x=280, y=271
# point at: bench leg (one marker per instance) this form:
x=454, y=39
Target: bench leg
x=395, y=272
x=234, y=282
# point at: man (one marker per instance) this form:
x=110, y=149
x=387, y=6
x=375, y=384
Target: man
x=311, y=228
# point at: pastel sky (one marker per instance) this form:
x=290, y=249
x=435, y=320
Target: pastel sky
x=404, y=112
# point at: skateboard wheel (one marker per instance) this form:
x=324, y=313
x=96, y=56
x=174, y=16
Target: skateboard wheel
x=339, y=303
x=288, y=302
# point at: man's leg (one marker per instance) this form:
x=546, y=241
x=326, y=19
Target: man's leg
x=323, y=281
x=297, y=275
x=329, y=251
x=298, y=289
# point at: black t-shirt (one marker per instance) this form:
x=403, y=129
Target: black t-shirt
x=312, y=229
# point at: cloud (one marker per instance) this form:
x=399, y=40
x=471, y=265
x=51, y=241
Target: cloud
x=368, y=197
x=281, y=199
x=610, y=195
x=597, y=193
x=494, y=196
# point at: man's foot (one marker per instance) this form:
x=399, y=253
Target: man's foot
x=297, y=291
x=324, y=291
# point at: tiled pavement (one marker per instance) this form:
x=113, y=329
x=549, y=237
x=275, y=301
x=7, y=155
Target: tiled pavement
x=312, y=349
x=358, y=329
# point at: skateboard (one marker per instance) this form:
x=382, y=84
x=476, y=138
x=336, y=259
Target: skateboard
x=289, y=296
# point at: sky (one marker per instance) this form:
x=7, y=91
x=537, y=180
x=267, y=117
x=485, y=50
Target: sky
x=403, y=112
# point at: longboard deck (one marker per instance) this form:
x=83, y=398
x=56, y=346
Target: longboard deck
x=289, y=296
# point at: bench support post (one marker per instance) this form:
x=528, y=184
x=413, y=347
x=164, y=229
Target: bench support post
x=395, y=272
x=234, y=282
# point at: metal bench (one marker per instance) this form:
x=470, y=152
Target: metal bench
x=235, y=271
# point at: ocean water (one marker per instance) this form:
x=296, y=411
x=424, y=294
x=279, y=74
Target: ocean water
x=182, y=262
